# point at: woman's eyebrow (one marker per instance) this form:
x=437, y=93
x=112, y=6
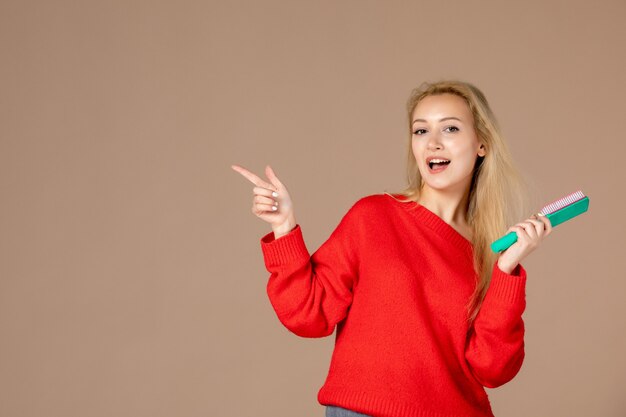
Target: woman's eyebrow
x=441, y=120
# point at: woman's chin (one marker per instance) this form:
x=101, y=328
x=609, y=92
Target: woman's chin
x=441, y=185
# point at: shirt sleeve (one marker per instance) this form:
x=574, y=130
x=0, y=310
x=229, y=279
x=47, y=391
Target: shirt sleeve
x=311, y=294
x=495, y=349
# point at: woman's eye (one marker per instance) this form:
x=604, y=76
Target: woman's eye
x=417, y=132
x=453, y=127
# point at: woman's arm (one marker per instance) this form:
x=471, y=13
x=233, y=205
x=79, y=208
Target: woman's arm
x=311, y=294
x=495, y=347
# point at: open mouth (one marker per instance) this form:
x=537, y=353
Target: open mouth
x=437, y=165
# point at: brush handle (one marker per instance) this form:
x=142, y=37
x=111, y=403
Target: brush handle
x=504, y=242
x=556, y=218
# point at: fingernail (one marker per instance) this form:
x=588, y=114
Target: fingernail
x=274, y=194
x=274, y=208
x=541, y=214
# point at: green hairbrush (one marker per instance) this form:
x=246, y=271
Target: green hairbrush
x=557, y=212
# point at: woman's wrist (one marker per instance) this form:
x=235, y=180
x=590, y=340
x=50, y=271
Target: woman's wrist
x=507, y=269
x=284, y=228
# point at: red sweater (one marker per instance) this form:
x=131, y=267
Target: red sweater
x=394, y=278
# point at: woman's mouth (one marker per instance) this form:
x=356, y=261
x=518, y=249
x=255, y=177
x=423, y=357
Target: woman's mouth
x=437, y=167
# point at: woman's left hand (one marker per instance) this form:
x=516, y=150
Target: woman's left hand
x=530, y=233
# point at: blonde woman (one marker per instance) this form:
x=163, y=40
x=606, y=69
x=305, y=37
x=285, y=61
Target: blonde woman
x=426, y=315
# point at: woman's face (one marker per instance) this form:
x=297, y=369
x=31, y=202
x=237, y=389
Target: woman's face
x=443, y=127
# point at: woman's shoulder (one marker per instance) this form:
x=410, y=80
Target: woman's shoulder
x=371, y=200
x=372, y=212
x=376, y=202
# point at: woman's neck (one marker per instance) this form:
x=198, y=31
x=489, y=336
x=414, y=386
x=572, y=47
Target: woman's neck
x=450, y=207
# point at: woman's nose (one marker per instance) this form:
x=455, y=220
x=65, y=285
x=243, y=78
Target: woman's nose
x=434, y=142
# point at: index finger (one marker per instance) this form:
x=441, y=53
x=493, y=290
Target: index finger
x=253, y=178
x=546, y=221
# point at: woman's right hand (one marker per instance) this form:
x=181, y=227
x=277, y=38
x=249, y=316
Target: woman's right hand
x=271, y=201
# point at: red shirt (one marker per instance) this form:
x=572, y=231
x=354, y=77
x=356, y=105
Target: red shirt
x=394, y=279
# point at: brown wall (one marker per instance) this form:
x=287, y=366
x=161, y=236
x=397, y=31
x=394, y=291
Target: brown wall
x=131, y=276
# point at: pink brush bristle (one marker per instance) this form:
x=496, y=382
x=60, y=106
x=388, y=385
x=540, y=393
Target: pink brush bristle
x=562, y=202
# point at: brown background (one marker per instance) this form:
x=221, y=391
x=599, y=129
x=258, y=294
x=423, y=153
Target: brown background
x=131, y=276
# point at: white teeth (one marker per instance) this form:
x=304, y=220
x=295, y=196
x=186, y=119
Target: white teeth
x=439, y=160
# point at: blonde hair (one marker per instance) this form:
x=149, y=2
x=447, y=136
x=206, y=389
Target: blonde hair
x=498, y=196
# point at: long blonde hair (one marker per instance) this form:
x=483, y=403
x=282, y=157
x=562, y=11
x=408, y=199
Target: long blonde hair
x=499, y=197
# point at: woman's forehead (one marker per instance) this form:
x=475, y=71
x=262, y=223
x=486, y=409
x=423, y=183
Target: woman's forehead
x=435, y=107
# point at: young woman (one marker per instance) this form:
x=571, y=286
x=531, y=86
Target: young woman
x=426, y=315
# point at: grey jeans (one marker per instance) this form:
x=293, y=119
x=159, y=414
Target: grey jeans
x=334, y=411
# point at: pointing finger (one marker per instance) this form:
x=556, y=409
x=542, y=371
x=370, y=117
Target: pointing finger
x=253, y=178
x=272, y=176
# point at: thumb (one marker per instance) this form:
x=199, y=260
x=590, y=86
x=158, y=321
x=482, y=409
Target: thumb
x=272, y=176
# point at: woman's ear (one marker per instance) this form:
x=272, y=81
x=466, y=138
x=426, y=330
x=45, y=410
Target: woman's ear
x=481, y=150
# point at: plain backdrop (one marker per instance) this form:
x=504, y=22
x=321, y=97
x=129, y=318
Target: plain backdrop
x=132, y=280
